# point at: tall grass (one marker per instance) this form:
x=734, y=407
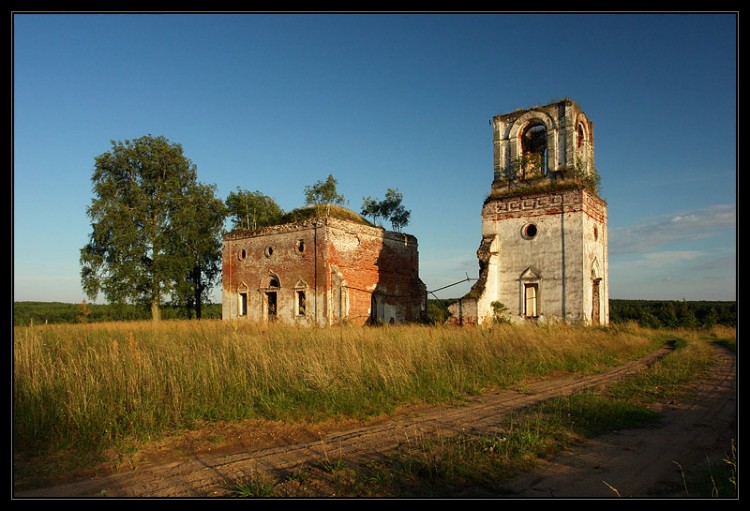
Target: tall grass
x=93, y=386
x=546, y=429
x=480, y=466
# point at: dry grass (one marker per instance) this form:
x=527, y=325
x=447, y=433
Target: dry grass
x=94, y=385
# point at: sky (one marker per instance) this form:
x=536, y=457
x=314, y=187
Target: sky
x=277, y=102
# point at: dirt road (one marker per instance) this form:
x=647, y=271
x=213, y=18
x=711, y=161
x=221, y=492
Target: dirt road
x=634, y=463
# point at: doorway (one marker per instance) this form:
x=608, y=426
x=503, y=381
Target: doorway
x=595, y=315
x=271, y=305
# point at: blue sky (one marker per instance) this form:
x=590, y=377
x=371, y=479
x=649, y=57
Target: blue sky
x=275, y=103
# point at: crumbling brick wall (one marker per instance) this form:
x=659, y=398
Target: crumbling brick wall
x=347, y=272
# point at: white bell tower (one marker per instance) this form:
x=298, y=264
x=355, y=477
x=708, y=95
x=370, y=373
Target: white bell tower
x=543, y=254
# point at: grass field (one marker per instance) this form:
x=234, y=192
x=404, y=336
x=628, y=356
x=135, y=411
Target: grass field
x=81, y=390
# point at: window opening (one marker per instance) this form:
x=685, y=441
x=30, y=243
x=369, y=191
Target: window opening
x=529, y=231
x=271, y=304
x=530, y=300
x=301, y=303
x=534, y=149
x=373, y=309
x=243, y=304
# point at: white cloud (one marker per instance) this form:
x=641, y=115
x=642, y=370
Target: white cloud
x=676, y=227
x=667, y=258
x=673, y=274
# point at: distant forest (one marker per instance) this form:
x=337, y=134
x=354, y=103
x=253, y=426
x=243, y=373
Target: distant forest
x=26, y=313
x=647, y=313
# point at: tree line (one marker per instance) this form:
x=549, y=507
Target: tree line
x=156, y=231
x=41, y=313
x=674, y=313
x=647, y=313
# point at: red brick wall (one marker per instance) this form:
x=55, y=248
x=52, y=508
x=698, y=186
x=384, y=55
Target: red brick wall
x=359, y=259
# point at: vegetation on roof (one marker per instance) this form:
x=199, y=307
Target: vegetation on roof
x=540, y=186
x=332, y=210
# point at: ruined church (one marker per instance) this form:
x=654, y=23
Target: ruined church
x=542, y=257
x=322, y=270
x=543, y=253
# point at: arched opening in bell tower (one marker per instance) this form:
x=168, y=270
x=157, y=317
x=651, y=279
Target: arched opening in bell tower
x=580, y=136
x=534, y=149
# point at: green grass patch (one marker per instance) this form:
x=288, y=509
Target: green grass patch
x=590, y=415
x=253, y=486
x=715, y=478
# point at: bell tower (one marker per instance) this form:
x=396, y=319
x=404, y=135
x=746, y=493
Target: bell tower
x=544, y=144
x=543, y=254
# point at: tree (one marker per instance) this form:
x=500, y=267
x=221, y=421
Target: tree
x=685, y=315
x=144, y=189
x=324, y=192
x=711, y=318
x=252, y=210
x=390, y=208
x=667, y=315
x=197, y=229
x=400, y=218
x=371, y=208
x=499, y=310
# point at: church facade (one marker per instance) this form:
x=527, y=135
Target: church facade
x=323, y=271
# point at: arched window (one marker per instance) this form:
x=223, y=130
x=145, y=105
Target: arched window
x=580, y=136
x=531, y=281
x=530, y=308
x=534, y=149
